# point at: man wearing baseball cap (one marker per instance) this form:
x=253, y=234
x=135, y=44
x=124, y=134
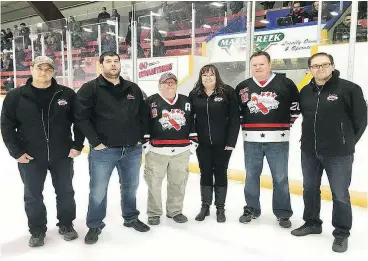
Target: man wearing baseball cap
x=36, y=122
x=170, y=140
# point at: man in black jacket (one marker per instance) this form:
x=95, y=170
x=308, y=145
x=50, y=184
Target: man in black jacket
x=36, y=122
x=334, y=119
x=113, y=116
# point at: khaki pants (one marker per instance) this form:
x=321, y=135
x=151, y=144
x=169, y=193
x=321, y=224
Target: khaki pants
x=156, y=167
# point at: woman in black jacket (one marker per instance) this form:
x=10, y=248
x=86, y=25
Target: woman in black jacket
x=217, y=125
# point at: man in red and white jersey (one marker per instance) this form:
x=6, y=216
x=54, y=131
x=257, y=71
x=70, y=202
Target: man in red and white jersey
x=269, y=105
x=170, y=140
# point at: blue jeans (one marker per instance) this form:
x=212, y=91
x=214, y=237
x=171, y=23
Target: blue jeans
x=127, y=160
x=277, y=155
x=338, y=170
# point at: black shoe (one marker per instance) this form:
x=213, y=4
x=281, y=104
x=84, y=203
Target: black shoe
x=92, y=236
x=154, y=221
x=36, y=240
x=220, y=215
x=340, y=245
x=179, y=218
x=137, y=225
x=247, y=216
x=306, y=230
x=205, y=211
x=284, y=222
x=68, y=232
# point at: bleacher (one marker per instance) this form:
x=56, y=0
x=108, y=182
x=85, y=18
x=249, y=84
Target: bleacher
x=176, y=42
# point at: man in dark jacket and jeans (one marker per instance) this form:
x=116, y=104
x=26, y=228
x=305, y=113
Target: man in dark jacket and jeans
x=113, y=116
x=36, y=122
x=334, y=119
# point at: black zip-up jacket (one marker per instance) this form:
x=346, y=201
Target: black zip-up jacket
x=217, y=119
x=112, y=115
x=24, y=129
x=334, y=117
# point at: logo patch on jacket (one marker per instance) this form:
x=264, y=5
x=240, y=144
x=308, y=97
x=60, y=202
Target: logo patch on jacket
x=264, y=102
x=174, y=118
x=218, y=99
x=332, y=97
x=130, y=97
x=154, y=113
x=62, y=102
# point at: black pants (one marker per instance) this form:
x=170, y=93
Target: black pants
x=338, y=171
x=213, y=162
x=33, y=175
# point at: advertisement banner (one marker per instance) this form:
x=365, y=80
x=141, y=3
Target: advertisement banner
x=151, y=69
x=280, y=44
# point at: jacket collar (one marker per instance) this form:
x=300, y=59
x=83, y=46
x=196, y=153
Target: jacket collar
x=101, y=81
x=334, y=79
x=27, y=88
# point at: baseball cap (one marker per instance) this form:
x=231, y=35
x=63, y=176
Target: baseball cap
x=167, y=76
x=43, y=60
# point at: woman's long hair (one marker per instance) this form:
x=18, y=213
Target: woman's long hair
x=220, y=85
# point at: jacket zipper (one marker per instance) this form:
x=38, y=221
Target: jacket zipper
x=47, y=139
x=208, y=120
x=315, y=121
x=47, y=135
x=343, y=134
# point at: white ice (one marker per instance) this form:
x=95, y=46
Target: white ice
x=261, y=240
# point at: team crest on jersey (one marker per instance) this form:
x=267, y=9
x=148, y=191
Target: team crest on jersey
x=218, y=99
x=244, y=95
x=173, y=119
x=332, y=97
x=264, y=102
x=154, y=113
x=62, y=102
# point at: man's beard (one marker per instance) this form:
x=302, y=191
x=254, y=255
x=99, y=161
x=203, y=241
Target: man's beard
x=112, y=75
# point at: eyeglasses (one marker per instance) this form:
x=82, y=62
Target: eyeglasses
x=317, y=66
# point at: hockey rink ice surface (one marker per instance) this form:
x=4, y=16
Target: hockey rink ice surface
x=260, y=240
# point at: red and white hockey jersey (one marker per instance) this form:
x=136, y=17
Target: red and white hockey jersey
x=171, y=124
x=268, y=109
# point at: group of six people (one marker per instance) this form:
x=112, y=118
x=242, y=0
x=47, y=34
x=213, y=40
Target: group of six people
x=120, y=125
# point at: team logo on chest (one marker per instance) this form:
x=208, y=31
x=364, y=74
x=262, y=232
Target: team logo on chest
x=332, y=97
x=130, y=97
x=173, y=119
x=62, y=102
x=264, y=102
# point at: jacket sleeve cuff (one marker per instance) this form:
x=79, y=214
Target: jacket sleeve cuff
x=231, y=144
x=17, y=154
x=94, y=142
x=78, y=147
